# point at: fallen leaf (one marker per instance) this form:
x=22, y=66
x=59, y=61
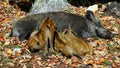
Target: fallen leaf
x=9, y=51
x=11, y=64
x=5, y=20
x=1, y=38
x=90, y=62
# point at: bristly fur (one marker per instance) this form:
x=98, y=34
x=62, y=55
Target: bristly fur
x=85, y=27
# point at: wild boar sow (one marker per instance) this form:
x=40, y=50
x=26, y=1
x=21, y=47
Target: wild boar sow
x=85, y=27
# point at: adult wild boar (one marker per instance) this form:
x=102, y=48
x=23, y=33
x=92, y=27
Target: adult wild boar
x=85, y=27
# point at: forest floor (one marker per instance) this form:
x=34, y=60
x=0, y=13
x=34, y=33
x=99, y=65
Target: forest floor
x=13, y=53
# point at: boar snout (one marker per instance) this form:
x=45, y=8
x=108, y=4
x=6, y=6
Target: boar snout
x=103, y=33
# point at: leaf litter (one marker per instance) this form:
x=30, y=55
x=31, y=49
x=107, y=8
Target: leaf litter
x=14, y=53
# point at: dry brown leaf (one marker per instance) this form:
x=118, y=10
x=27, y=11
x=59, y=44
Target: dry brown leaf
x=9, y=51
x=5, y=20
x=11, y=65
x=90, y=62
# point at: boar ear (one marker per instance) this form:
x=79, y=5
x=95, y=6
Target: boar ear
x=90, y=15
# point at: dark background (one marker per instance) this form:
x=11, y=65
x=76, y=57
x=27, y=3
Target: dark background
x=25, y=5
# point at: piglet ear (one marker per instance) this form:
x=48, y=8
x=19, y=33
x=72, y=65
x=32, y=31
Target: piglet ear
x=33, y=33
x=44, y=21
x=90, y=15
x=47, y=23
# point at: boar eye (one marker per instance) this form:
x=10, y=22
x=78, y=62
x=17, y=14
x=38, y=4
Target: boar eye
x=19, y=31
x=37, y=43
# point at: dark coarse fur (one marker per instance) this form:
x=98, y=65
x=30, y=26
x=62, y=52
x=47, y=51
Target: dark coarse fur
x=85, y=27
x=115, y=9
